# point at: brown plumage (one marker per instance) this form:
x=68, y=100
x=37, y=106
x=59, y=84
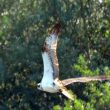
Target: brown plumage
x=51, y=48
x=56, y=28
x=85, y=79
x=45, y=48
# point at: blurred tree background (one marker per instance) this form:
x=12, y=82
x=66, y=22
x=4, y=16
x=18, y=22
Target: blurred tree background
x=83, y=50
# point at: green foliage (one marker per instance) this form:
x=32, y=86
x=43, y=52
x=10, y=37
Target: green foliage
x=57, y=107
x=83, y=50
x=82, y=66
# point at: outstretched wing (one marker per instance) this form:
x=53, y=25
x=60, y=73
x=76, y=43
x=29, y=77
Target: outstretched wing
x=85, y=79
x=48, y=69
x=50, y=47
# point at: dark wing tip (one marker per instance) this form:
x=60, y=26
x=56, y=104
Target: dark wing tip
x=56, y=28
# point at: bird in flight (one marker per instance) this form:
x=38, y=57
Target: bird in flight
x=50, y=81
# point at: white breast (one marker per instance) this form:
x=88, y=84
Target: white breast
x=51, y=89
x=47, y=83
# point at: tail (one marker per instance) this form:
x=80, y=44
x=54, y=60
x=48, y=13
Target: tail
x=63, y=89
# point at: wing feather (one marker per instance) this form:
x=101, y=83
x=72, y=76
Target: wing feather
x=85, y=79
x=50, y=46
x=48, y=69
x=53, y=56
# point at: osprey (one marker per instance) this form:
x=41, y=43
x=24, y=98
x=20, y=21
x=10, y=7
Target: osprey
x=50, y=81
